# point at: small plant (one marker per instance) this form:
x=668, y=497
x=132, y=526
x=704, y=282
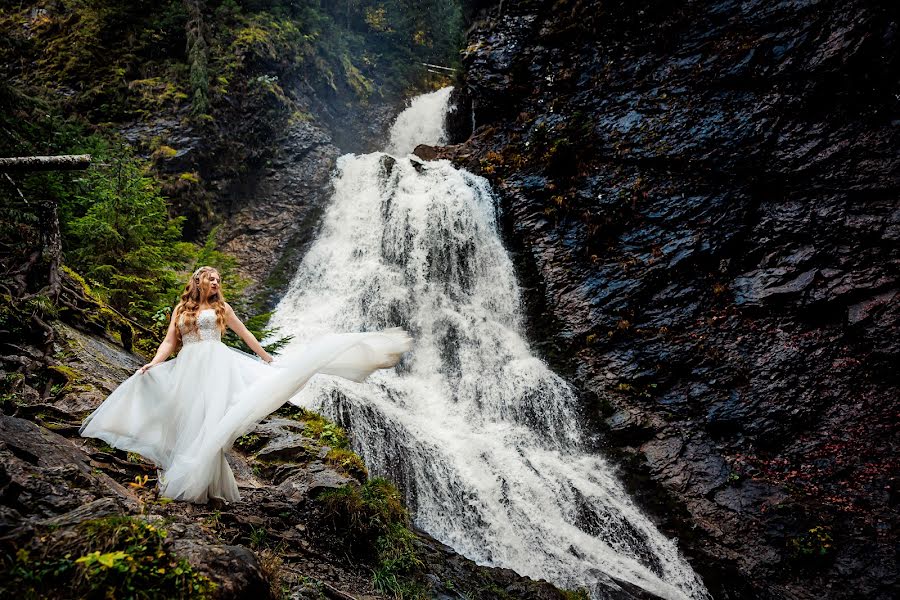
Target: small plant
x=374, y=521
x=248, y=442
x=139, y=482
x=333, y=435
x=213, y=519
x=258, y=537
x=134, y=457
x=320, y=428
x=816, y=542
x=121, y=557
x=349, y=461
x=397, y=558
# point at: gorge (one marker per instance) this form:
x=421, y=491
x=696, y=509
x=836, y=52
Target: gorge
x=648, y=250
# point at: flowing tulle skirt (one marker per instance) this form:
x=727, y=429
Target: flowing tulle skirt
x=184, y=414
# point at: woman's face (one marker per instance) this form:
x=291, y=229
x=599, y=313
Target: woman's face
x=213, y=282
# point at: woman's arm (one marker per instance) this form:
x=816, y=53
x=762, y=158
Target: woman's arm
x=166, y=348
x=239, y=328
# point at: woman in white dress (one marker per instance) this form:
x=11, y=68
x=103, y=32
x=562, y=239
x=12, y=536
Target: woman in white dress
x=184, y=414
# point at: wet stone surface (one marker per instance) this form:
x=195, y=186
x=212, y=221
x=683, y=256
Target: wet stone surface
x=702, y=203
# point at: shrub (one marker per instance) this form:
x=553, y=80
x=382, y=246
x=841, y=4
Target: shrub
x=373, y=520
x=121, y=557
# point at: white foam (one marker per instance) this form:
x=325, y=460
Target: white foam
x=482, y=436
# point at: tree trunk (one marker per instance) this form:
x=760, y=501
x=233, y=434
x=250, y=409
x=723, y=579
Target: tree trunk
x=66, y=162
x=53, y=249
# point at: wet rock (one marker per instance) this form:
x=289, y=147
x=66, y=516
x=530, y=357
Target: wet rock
x=770, y=284
x=704, y=217
x=43, y=475
x=426, y=152
x=97, y=509
x=234, y=569
x=313, y=481
x=295, y=447
x=444, y=566
x=750, y=497
x=99, y=366
x=274, y=208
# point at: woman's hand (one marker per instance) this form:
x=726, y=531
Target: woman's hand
x=147, y=367
x=266, y=357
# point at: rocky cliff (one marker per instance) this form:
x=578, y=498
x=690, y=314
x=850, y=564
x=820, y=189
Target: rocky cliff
x=703, y=201
x=80, y=519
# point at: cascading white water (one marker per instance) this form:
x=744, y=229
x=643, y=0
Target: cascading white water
x=421, y=123
x=480, y=434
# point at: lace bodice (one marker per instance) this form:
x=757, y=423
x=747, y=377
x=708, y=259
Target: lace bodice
x=206, y=328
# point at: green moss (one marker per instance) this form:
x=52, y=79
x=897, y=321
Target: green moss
x=358, y=82
x=374, y=522
x=66, y=372
x=326, y=432
x=156, y=92
x=348, y=461
x=121, y=557
x=164, y=152
x=191, y=177
x=316, y=426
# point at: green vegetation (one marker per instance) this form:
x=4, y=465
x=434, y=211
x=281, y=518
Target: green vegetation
x=816, y=543
x=316, y=426
x=373, y=520
x=325, y=432
x=124, y=222
x=119, y=236
x=121, y=557
x=248, y=442
x=348, y=461
x=259, y=537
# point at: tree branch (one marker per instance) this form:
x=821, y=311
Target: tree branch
x=65, y=162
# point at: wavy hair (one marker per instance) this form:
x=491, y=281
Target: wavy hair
x=195, y=290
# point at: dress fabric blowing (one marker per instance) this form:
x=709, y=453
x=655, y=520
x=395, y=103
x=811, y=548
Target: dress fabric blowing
x=184, y=414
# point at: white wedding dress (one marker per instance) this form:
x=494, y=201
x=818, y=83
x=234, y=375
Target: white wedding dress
x=184, y=414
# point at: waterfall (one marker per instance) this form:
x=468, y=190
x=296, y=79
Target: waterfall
x=481, y=436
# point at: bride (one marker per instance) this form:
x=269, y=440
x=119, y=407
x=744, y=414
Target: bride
x=184, y=414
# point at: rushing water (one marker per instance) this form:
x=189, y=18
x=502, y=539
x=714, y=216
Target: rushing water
x=480, y=434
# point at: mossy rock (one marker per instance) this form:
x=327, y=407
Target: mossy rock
x=114, y=556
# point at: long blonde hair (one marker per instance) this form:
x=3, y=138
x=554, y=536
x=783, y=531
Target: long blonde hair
x=195, y=290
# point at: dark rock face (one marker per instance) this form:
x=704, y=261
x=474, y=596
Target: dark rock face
x=274, y=210
x=261, y=173
x=702, y=198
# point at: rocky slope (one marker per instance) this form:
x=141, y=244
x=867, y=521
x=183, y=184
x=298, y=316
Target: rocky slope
x=285, y=539
x=703, y=201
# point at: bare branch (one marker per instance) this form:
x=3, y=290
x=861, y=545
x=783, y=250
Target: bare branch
x=15, y=187
x=65, y=162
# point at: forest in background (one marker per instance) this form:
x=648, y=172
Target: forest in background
x=77, y=75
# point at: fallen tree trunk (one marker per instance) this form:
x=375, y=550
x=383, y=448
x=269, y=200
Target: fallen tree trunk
x=64, y=162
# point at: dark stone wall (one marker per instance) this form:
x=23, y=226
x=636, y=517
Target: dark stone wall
x=702, y=198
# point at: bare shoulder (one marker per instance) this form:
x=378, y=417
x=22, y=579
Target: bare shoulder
x=228, y=310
